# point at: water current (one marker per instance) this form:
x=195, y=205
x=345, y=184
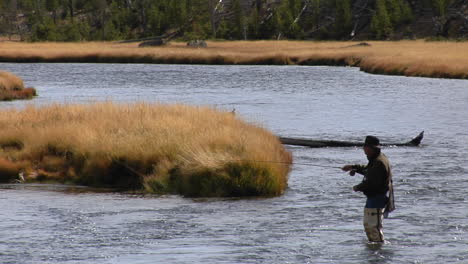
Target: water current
x=317, y=220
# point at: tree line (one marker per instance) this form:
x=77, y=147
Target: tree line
x=96, y=20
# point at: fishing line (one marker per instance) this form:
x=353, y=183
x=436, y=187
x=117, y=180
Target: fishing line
x=285, y=163
x=259, y=161
x=242, y=160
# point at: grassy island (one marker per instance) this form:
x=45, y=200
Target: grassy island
x=410, y=58
x=193, y=151
x=12, y=87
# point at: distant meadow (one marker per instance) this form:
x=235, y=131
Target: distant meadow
x=409, y=58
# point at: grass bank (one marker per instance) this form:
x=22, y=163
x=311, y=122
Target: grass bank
x=12, y=87
x=410, y=58
x=193, y=151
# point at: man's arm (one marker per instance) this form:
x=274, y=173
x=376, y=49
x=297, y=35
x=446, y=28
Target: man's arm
x=361, y=169
x=374, y=180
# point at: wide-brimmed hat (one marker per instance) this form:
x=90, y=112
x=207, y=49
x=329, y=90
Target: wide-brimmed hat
x=372, y=141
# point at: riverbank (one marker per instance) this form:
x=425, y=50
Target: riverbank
x=409, y=58
x=12, y=88
x=193, y=151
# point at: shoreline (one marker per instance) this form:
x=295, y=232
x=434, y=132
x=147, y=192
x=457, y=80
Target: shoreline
x=406, y=58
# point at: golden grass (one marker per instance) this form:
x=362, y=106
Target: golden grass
x=9, y=81
x=411, y=58
x=194, y=151
x=12, y=87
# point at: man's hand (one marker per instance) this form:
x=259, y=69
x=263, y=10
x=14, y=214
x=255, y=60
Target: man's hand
x=347, y=167
x=350, y=169
x=355, y=188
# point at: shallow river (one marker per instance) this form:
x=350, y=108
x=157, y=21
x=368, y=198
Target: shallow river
x=317, y=220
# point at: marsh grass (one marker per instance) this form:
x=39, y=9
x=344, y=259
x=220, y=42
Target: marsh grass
x=410, y=58
x=193, y=151
x=12, y=87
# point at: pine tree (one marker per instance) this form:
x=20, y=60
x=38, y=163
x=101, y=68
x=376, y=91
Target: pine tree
x=343, y=20
x=406, y=12
x=381, y=24
x=52, y=6
x=394, y=11
x=45, y=30
x=440, y=6
x=287, y=13
x=237, y=23
x=269, y=28
x=254, y=24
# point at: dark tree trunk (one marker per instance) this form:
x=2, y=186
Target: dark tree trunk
x=71, y=8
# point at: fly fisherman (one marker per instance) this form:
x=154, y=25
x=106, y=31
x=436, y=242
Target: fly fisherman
x=377, y=185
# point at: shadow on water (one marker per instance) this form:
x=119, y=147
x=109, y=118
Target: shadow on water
x=69, y=189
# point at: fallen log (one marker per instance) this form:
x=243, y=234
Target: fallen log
x=139, y=40
x=335, y=143
x=153, y=43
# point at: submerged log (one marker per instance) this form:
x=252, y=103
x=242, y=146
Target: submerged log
x=335, y=143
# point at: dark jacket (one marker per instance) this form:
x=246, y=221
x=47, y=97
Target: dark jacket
x=377, y=179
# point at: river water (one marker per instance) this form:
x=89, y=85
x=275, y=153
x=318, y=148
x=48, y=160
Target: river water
x=317, y=220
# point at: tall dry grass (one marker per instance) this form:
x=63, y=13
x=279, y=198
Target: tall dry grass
x=411, y=58
x=194, y=151
x=9, y=81
x=12, y=87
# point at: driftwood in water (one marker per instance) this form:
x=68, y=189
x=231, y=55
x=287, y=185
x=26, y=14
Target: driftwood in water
x=334, y=143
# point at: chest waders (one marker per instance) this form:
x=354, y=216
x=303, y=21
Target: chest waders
x=373, y=224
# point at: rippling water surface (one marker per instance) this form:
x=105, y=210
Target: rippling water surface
x=318, y=219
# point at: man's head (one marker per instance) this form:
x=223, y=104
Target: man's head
x=371, y=145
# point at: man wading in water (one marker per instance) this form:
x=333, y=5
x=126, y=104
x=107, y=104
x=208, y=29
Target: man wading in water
x=376, y=184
